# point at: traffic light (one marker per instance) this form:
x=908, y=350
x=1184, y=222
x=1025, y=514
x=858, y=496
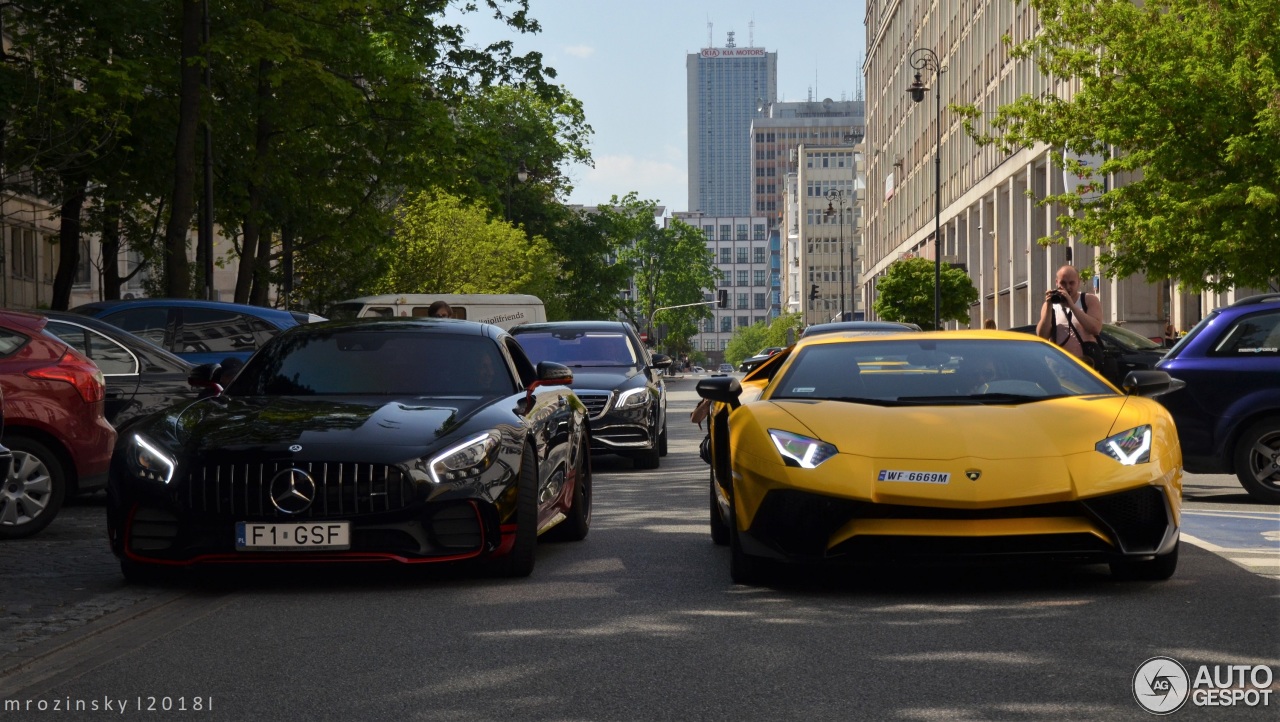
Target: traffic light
x=813, y=292
x=722, y=298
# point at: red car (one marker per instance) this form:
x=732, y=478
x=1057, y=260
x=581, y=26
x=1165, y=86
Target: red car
x=53, y=424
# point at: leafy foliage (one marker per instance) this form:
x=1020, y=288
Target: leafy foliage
x=671, y=267
x=750, y=340
x=1180, y=97
x=443, y=245
x=906, y=293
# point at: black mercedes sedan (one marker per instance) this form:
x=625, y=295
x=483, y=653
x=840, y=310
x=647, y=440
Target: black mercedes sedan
x=141, y=378
x=404, y=440
x=617, y=379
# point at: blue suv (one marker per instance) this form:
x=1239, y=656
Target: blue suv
x=198, y=331
x=1228, y=415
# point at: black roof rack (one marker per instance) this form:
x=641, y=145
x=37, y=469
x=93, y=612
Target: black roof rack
x=1260, y=298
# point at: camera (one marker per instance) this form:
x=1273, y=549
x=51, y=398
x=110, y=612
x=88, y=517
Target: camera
x=1059, y=297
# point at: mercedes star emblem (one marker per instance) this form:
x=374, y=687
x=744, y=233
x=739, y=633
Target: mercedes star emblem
x=295, y=448
x=292, y=491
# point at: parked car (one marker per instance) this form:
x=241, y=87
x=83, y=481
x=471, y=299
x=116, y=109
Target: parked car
x=617, y=379
x=1228, y=415
x=413, y=441
x=53, y=424
x=859, y=327
x=863, y=450
x=198, y=331
x=726, y=368
x=753, y=361
x=1122, y=350
x=141, y=377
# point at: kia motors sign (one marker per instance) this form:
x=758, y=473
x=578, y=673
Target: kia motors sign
x=732, y=53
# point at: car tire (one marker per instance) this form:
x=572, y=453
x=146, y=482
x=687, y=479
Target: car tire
x=719, y=530
x=1256, y=462
x=1152, y=570
x=578, y=521
x=34, y=490
x=743, y=568
x=519, y=561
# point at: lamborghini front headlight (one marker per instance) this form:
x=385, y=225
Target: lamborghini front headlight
x=1128, y=447
x=802, y=451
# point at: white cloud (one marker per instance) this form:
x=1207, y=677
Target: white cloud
x=580, y=51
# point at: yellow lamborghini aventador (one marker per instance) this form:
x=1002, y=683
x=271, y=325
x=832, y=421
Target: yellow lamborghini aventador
x=931, y=446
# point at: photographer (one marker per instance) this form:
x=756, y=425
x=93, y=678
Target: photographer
x=1072, y=319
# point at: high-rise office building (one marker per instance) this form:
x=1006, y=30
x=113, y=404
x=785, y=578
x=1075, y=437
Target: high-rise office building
x=727, y=87
x=780, y=128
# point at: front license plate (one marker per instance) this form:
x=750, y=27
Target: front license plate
x=919, y=477
x=281, y=537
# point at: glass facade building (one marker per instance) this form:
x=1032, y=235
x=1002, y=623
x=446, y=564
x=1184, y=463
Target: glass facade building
x=726, y=89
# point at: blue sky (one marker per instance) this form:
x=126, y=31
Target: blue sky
x=626, y=62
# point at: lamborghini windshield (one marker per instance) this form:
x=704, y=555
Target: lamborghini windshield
x=932, y=371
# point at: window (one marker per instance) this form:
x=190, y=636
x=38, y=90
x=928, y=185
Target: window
x=726, y=323
x=742, y=302
x=1252, y=336
x=726, y=232
x=206, y=330
x=758, y=229
x=744, y=321
x=758, y=278
x=112, y=358
x=759, y=301
x=742, y=231
x=709, y=232
x=742, y=254
x=758, y=254
x=708, y=325
x=726, y=255
x=10, y=342
x=742, y=278
x=23, y=262
x=148, y=323
x=84, y=269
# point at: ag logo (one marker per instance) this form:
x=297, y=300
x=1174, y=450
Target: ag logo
x=973, y=474
x=1161, y=685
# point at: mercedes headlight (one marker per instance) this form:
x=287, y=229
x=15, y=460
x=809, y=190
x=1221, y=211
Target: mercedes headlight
x=1128, y=447
x=464, y=461
x=800, y=450
x=148, y=461
x=632, y=398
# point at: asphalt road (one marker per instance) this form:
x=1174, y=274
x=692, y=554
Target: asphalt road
x=638, y=622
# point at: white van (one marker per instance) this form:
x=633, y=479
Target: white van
x=500, y=309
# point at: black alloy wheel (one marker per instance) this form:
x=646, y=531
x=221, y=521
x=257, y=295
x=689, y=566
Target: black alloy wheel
x=1257, y=460
x=578, y=521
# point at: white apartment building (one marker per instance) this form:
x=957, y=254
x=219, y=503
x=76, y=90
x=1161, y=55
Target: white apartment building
x=747, y=255
x=823, y=231
x=990, y=215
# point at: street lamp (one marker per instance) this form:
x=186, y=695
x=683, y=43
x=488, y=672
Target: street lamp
x=836, y=196
x=922, y=59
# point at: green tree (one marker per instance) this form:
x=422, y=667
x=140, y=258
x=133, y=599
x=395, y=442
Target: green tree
x=1179, y=97
x=444, y=245
x=750, y=340
x=671, y=267
x=906, y=293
